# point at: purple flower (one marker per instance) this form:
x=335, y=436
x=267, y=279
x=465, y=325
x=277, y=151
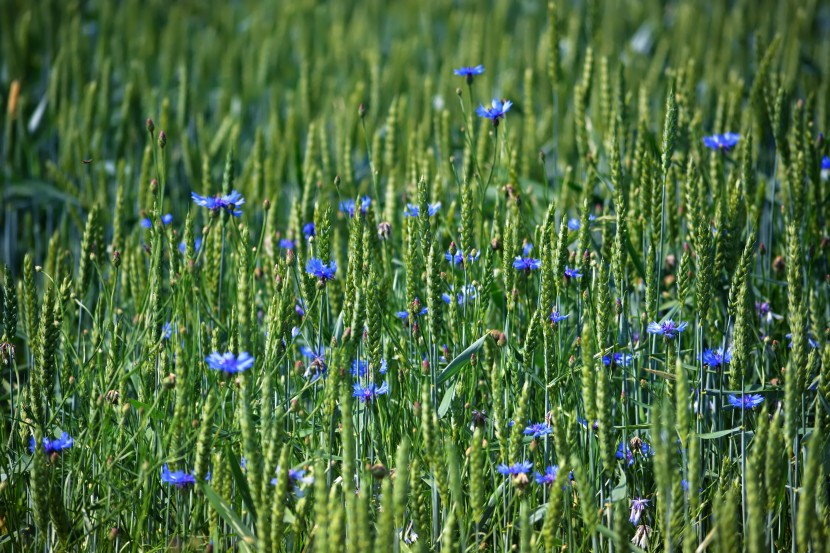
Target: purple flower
x=179, y=478
x=549, y=477
x=369, y=392
x=286, y=244
x=572, y=273
x=295, y=479
x=526, y=263
x=716, y=358
x=229, y=362
x=618, y=360
x=348, y=206
x=317, y=367
x=638, y=505
x=750, y=401
x=724, y=142
x=556, y=317
x=53, y=446
x=229, y=202
x=513, y=470
x=765, y=312
x=469, y=72
x=413, y=210
x=496, y=111
x=538, y=430
x=323, y=271
x=309, y=230
x=668, y=328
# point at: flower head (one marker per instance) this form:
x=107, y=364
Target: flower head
x=323, y=271
x=573, y=224
x=309, y=230
x=825, y=168
x=750, y=401
x=513, y=470
x=526, y=263
x=626, y=451
x=53, y=446
x=723, y=142
x=296, y=479
x=668, y=328
x=496, y=111
x=146, y=222
x=228, y=202
x=549, y=477
x=460, y=257
x=572, y=273
x=638, y=505
x=229, y=362
x=197, y=245
x=167, y=218
x=556, y=317
x=538, y=430
x=413, y=210
x=286, y=244
x=167, y=330
x=370, y=391
x=348, y=206
x=617, y=360
x=466, y=294
x=469, y=72
x=717, y=357
x=178, y=478
x=317, y=367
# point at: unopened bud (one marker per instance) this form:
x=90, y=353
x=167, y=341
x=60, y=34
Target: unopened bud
x=150, y=126
x=162, y=140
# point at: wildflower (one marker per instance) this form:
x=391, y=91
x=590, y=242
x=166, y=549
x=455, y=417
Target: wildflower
x=413, y=210
x=716, y=358
x=684, y=485
x=323, y=271
x=538, y=430
x=296, y=478
x=496, y=111
x=572, y=273
x=197, y=245
x=668, y=328
x=812, y=342
x=617, y=360
x=513, y=470
x=179, y=478
x=167, y=219
x=166, y=330
x=526, y=249
x=286, y=244
x=556, y=317
x=549, y=477
x=638, y=505
x=409, y=536
x=360, y=368
x=229, y=202
x=624, y=452
x=467, y=293
x=53, y=446
x=348, y=206
x=750, y=401
x=469, y=72
x=369, y=392
x=317, y=367
x=641, y=536
x=584, y=423
x=229, y=362
x=526, y=263
x=573, y=224
x=404, y=315
x=724, y=142
x=825, y=168
x=765, y=312
x=146, y=222
x=459, y=257
x=309, y=230
x=479, y=419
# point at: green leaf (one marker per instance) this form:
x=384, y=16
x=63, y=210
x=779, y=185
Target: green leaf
x=446, y=401
x=719, y=434
x=458, y=363
x=241, y=481
x=248, y=540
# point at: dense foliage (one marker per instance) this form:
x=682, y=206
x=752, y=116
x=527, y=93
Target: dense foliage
x=300, y=276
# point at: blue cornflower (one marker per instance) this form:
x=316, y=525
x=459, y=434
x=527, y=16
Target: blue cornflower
x=716, y=358
x=323, y=271
x=167, y=219
x=309, y=230
x=460, y=257
x=538, y=430
x=513, y=470
x=317, y=367
x=469, y=72
x=360, y=368
x=668, y=328
x=723, y=142
x=197, y=245
x=527, y=248
x=638, y=505
x=584, y=423
x=413, y=210
x=496, y=111
x=526, y=263
x=637, y=445
x=810, y=341
x=404, y=315
x=178, y=478
x=146, y=222
x=618, y=359
x=166, y=330
x=556, y=317
x=53, y=446
x=229, y=202
x=549, y=477
x=295, y=479
x=348, y=206
x=369, y=392
x=825, y=168
x=574, y=224
x=286, y=244
x=572, y=273
x=465, y=295
x=684, y=485
x=750, y=401
x=229, y=362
